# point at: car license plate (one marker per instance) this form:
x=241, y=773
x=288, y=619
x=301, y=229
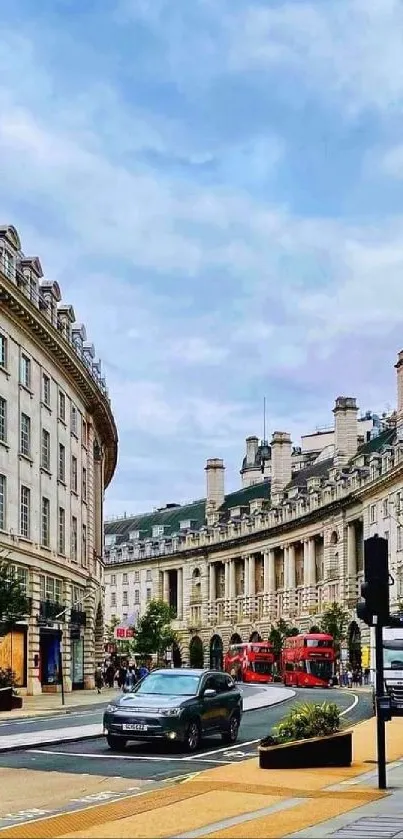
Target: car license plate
x=134, y=727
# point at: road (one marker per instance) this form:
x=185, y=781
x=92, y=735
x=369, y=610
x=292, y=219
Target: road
x=75, y=775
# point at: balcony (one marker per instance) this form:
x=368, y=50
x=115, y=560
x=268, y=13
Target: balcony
x=78, y=618
x=49, y=611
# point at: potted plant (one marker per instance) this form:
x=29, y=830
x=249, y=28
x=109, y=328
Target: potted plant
x=308, y=736
x=9, y=698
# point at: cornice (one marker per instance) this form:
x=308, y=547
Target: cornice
x=27, y=317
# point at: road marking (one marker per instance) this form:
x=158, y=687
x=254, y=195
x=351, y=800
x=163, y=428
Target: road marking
x=228, y=749
x=44, y=718
x=350, y=707
x=201, y=758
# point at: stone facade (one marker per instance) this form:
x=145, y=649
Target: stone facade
x=58, y=450
x=285, y=547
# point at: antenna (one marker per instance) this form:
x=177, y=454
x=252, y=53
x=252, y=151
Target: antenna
x=264, y=419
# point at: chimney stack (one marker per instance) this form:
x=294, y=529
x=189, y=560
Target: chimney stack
x=215, y=488
x=399, y=418
x=345, y=430
x=252, y=445
x=280, y=463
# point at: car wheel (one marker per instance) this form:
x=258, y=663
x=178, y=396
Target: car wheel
x=115, y=743
x=192, y=737
x=231, y=734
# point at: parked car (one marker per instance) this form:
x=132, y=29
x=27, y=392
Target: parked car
x=178, y=705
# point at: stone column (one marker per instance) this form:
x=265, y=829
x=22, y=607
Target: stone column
x=351, y=561
x=291, y=577
x=33, y=664
x=251, y=576
x=66, y=637
x=212, y=583
x=165, y=586
x=309, y=573
x=232, y=586
x=285, y=566
x=179, y=610
x=246, y=577
x=226, y=581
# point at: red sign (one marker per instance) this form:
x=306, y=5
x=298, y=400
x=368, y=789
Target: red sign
x=121, y=633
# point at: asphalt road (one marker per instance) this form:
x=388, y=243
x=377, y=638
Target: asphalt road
x=158, y=763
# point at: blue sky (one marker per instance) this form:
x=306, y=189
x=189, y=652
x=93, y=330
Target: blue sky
x=217, y=187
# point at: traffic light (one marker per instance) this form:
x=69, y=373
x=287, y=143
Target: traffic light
x=375, y=588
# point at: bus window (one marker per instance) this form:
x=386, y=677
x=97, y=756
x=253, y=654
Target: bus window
x=316, y=642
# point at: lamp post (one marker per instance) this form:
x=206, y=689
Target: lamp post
x=60, y=627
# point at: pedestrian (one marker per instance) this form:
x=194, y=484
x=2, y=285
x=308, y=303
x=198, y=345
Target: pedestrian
x=349, y=678
x=130, y=679
x=143, y=671
x=110, y=675
x=99, y=681
x=366, y=676
x=122, y=675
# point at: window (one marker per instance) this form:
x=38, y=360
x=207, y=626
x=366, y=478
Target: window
x=46, y=389
x=125, y=601
x=73, y=539
x=398, y=504
x=62, y=463
x=113, y=579
x=33, y=290
x=45, y=522
x=45, y=452
x=148, y=595
x=385, y=507
x=158, y=530
x=74, y=420
x=137, y=596
x=74, y=474
x=372, y=514
x=2, y=502
x=62, y=530
x=62, y=406
x=137, y=576
x=25, y=512
x=25, y=438
x=84, y=546
x=113, y=598
x=3, y=420
x=84, y=484
x=124, y=579
x=3, y=352
x=399, y=538
x=50, y=589
x=84, y=433
x=25, y=371
x=22, y=577
x=148, y=575
x=8, y=265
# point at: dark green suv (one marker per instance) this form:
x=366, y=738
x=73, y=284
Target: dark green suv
x=176, y=706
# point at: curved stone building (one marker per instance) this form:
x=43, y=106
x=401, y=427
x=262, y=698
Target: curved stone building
x=285, y=547
x=58, y=451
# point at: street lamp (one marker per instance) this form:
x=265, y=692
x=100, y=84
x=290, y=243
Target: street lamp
x=60, y=627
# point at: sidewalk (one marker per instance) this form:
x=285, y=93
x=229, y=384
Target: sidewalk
x=44, y=703
x=239, y=801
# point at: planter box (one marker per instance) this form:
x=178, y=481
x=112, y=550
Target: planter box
x=16, y=702
x=333, y=750
x=6, y=699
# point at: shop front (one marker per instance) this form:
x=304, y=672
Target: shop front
x=49, y=648
x=13, y=654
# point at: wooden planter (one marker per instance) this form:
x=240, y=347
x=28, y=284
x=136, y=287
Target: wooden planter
x=9, y=700
x=332, y=750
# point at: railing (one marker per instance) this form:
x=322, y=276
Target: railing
x=50, y=610
x=78, y=617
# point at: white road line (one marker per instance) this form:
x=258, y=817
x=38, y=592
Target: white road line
x=62, y=715
x=350, y=707
x=228, y=748
x=127, y=757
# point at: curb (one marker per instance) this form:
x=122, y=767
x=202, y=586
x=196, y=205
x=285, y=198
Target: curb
x=20, y=747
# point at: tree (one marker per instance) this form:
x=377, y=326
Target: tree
x=14, y=605
x=334, y=622
x=154, y=633
x=314, y=629
x=279, y=632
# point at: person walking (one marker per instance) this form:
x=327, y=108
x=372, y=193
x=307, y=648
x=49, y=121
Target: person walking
x=99, y=680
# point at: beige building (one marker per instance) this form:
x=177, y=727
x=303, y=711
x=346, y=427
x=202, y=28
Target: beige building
x=58, y=450
x=283, y=547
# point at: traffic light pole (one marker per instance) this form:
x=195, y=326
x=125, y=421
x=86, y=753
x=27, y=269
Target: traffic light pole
x=380, y=721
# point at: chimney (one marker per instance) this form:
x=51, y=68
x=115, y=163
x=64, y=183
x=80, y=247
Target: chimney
x=215, y=488
x=399, y=418
x=345, y=430
x=252, y=445
x=280, y=463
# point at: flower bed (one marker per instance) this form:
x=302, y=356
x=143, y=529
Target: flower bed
x=309, y=736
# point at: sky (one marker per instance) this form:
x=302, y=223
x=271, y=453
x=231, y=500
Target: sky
x=217, y=187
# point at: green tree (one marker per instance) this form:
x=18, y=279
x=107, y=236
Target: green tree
x=14, y=605
x=314, y=629
x=279, y=632
x=334, y=622
x=154, y=633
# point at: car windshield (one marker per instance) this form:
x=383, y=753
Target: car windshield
x=393, y=655
x=169, y=684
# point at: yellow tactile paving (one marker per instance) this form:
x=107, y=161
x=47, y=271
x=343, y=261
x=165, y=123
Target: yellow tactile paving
x=178, y=818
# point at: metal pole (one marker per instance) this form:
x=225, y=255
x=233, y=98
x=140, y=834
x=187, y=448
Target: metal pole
x=380, y=722
x=61, y=662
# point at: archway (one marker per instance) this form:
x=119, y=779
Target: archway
x=354, y=645
x=216, y=653
x=255, y=637
x=176, y=655
x=235, y=638
x=196, y=652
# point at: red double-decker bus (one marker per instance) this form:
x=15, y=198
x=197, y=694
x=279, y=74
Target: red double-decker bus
x=308, y=660
x=251, y=662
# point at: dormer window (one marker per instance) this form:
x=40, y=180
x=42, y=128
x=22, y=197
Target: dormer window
x=8, y=264
x=134, y=535
x=110, y=539
x=158, y=530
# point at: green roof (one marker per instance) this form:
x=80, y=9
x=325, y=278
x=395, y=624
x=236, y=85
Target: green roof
x=385, y=438
x=171, y=517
